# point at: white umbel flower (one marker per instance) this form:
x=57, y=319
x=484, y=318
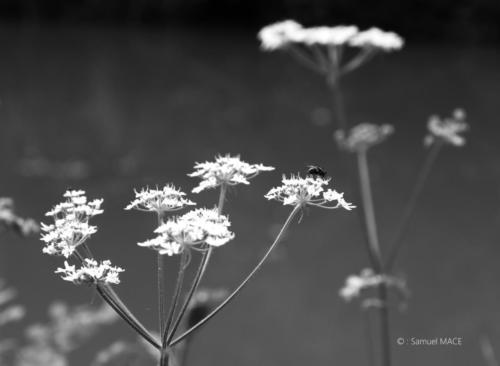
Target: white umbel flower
x=71, y=224
x=367, y=279
x=197, y=227
x=376, y=38
x=327, y=36
x=229, y=170
x=280, y=35
x=363, y=136
x=157, y=200
x=447, y=130
x=91, y=273
x=297, y=191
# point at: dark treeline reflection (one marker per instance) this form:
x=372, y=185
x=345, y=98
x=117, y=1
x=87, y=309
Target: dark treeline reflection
x=460, y=20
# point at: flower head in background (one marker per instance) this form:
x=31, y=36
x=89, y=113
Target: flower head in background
x=377, y=39
x=9, y=312
x=160, y=201
x=229, y=170
x=197, y=227
x=91, y=273
x=280, y=35
x=356, y=284
x=363, y=136
x=447, y=130
x=9, y=220
x=327, y=36
x=308, y=191
x=71, y=224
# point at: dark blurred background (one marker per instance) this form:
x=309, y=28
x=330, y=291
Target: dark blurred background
x=111, y=95
x=460, y=20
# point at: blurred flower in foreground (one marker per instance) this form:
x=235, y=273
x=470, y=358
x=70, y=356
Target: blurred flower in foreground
x=363, y=136
x=70, y=228
x=9, y=219
x=9, y=313
x=91, y=272
x=229, y=170
x=367, y=279
x=447, y=130
x=308, y=191
x=191, y=230
x=279, y=35
x=162, y=200
x=375, y=38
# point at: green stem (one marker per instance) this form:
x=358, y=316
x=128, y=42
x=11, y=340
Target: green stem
x=369, y=211
x=243, y=283
x=175, y=297
x=161, y=287
x=375, y=254
x=200, y=272
x=397, y=241
x=139, y=328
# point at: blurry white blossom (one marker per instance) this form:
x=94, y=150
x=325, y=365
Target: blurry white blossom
x=447, y=130
x=40, y=355
x=190, y=231
x=71, y=224
x=157, y=200
x=91, y=272
x=327, y=36
x=229, y=170
x=9, y=220
x=280, y=35
x=308, y=191
x=355, y=284
x=9, y=312
x=375, y=38
x=363, y=136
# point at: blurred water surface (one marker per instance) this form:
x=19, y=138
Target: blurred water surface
x=110, y=109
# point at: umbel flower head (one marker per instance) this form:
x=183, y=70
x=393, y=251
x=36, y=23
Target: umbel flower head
x=157, y=200
x=367, y=279
x=229, y=170
x=71, y=224
x=280, y=35
x=91, y=273
x=190, y=231
x=298, y=191
x=363, y=136
x=447, y=130
x=377, y=39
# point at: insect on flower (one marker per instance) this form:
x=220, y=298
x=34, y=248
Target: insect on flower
x=316, y=171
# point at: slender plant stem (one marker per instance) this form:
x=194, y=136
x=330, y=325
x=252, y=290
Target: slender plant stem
x=175, y=297
x=369, y=336
x=161, y=287
x=376, y=255
x=369, y=211
x=136, y=326
x=243, y=283
x=200, y=272
x=338, y=103
x=397, y=241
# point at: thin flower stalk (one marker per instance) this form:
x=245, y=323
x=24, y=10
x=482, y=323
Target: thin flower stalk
x=397, y=241
x=285, y=227
x=199, y=273
x=375, y=254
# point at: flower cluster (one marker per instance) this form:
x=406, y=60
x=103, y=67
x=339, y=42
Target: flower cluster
x=200, y=226
x=355, y=284
x=162, y=200
x=298, y=191
x=363, y=136
x=229, y=170
x=71, y=227
x=10, y=220
x=286, y=33
x=91, y=272
x=447, y=130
